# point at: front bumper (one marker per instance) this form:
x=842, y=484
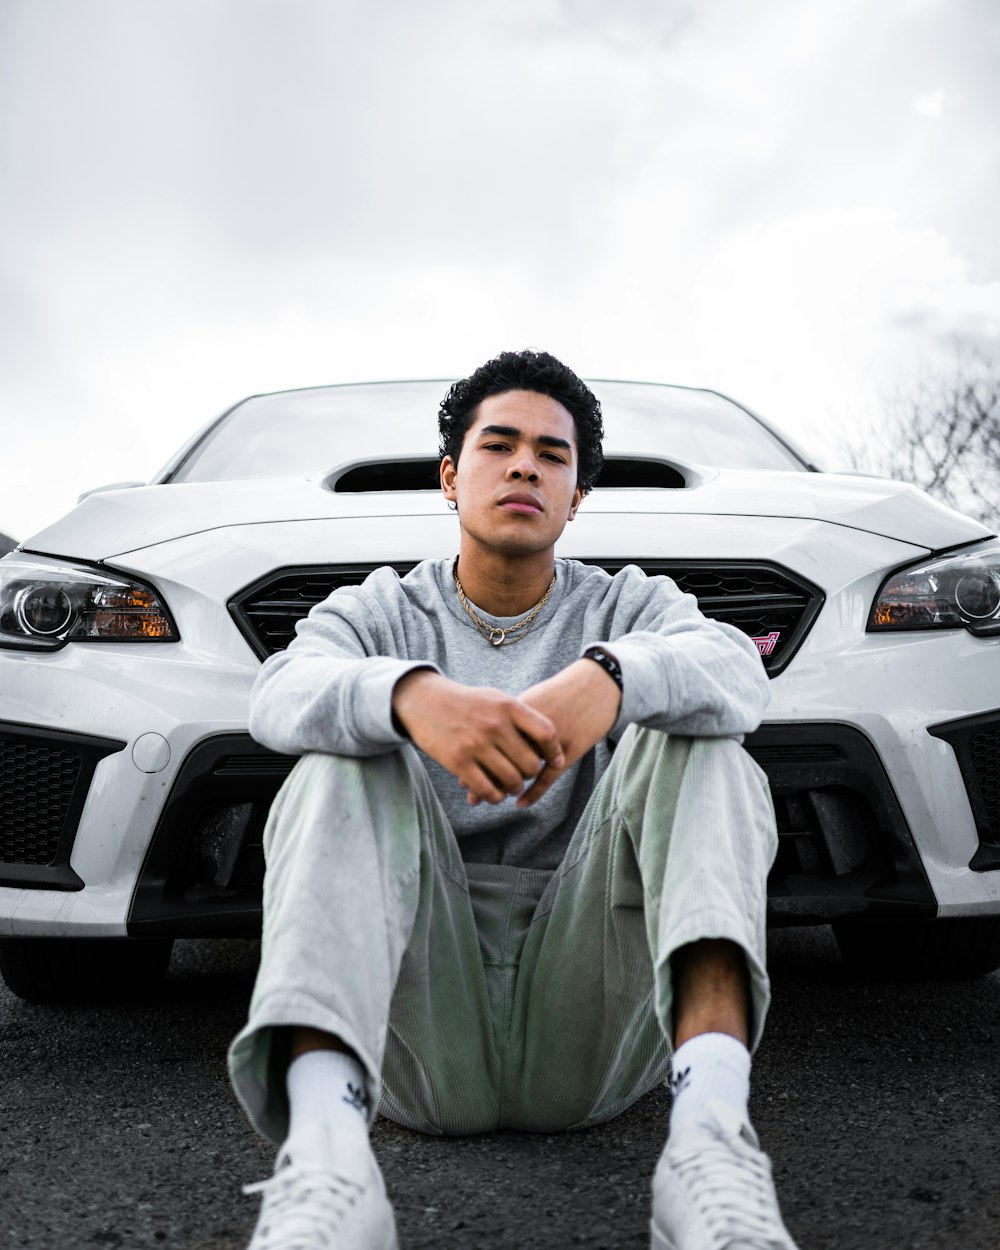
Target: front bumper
x=161, y=707
x=875, y=814
x=845, y=846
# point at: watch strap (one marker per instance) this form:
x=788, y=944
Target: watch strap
x=607, y=661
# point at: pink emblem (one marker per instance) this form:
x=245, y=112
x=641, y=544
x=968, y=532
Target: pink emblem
x=766, y=644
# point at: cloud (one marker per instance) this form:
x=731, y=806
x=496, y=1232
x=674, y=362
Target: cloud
x=930, y=104
x=203, y=200
x=276, y=130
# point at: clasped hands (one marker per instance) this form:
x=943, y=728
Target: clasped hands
x=495, y=743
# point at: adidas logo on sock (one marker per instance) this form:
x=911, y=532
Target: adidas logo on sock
x=356, y=1098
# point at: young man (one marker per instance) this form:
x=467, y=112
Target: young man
x=474, y=916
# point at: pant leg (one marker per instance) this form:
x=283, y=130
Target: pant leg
x=675, y=845
x=369, y=934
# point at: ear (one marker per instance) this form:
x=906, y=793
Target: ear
x=448, y=471
x=577, y=500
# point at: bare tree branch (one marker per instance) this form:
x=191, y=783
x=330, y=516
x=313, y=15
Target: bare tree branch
x=942, y=433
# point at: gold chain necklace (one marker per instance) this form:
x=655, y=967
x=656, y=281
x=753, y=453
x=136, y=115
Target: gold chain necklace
x=493, y=633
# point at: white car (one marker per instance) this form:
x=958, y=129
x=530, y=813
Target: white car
x=132, y=798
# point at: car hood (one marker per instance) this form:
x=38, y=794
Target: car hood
x=113, y=522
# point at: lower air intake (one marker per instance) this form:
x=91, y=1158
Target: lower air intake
x=976, y=743
x=44, y=779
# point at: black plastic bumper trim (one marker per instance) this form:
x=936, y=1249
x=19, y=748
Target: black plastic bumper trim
x=959, y=735
x=58, y=875
x=221, y=774
x=838, y=772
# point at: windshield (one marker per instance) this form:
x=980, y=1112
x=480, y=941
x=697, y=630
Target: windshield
x=309, y=432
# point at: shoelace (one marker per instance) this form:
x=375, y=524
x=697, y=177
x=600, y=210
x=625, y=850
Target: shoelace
x=734, y=1193
x=301, y=1208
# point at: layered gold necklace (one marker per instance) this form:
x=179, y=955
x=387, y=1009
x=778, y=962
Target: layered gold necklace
x=493, y=633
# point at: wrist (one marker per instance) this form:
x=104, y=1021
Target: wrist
x=402, y=703
x=600, y=689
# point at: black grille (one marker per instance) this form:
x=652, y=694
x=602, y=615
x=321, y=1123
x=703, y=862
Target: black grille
x=44, y=780
x=771, y=605
x=267, y=611
x=36, y=787
x=984, y=749
x=976, y=743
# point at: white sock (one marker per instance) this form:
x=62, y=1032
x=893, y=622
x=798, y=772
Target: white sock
x=330, y=1087
x=706, y=1067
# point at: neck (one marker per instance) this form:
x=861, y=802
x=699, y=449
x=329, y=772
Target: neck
x=503, y=586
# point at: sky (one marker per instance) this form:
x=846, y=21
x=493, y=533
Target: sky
x=791, y=201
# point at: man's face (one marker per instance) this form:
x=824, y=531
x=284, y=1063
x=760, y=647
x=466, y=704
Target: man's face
x=515, y=483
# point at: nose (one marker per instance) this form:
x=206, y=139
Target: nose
x=523, y=467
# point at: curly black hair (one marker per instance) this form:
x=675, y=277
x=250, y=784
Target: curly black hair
x=526, y=371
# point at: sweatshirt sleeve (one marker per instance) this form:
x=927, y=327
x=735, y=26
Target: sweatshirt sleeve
x=682, y=672
x=331, y=689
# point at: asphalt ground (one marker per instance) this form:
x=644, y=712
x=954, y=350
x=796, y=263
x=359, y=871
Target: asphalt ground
x=879, y=1104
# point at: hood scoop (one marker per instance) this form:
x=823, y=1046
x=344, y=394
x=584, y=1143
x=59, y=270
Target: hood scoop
x=619, y=473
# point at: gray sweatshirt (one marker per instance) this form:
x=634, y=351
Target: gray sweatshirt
x=331, y=690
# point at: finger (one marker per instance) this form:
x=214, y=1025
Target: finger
x=540, y=732
x=543, y=783
x=504, y=772
x=524, y=755
x=470, y=798
x=481, y=786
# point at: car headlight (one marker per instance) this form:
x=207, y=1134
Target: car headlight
x=960, y=590
x=46, y=603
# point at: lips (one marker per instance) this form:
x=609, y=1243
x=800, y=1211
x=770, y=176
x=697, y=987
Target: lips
x=520, y=501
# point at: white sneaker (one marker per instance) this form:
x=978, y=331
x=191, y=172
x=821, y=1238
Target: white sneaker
x=712, y=1189
x=310, y=1205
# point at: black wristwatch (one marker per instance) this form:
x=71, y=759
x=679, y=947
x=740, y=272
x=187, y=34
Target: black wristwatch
x=607, y=661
